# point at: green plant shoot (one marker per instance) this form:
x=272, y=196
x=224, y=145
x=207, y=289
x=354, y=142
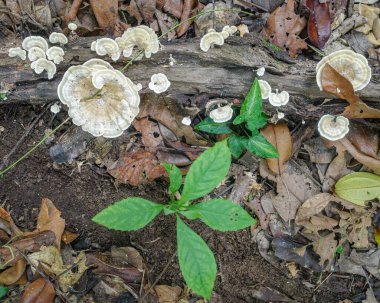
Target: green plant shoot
x=196, y=260
x=244, y=130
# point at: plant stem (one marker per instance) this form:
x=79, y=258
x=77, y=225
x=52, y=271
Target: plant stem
x=33, y=148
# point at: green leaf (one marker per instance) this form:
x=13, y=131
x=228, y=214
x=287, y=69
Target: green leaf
x=252, y=105
x=209, y=126
x=196, y=261
x=3, y=291
x=255, y=124
x=207, y=171
x=128, y=214
x=175, y=177
x=259, y=146
x=358, y=187
x=222, y=215
x=237, y=145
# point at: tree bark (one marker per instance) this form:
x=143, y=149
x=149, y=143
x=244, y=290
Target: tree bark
x=225, y=71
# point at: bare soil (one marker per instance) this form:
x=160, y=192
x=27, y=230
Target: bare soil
x=80, y=195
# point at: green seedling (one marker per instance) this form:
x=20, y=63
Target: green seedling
x=244, y=130
x=196, y=260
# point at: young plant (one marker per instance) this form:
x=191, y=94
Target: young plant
x=244, y=130
x=196, y=260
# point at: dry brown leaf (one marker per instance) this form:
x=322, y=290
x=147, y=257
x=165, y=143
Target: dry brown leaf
x=147, y=9
x=279, y=136
x=336, y=170
x=366, y=140
x=284, y=26
x=39, y=291
x=325, y=247
x=358, y=235
x=127, y=255
x=334, y=83
x=151, y=135
x=12, y=274
x=173, y=7
x=133, y=11
x=68, y=237
x=49, y=218
x=137, y=168
x=168, y=294
x=7, y=224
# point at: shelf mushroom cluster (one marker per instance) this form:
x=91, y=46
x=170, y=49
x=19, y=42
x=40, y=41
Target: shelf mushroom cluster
x=142, y=37
x=100, y=99
x=42, y=57
x=216, y=38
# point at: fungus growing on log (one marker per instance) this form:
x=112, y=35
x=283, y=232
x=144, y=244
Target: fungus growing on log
x=58, y=38
x=17, y=52
x=159, y=83
x=42, y=64
x=35, y=41
x=333, y=128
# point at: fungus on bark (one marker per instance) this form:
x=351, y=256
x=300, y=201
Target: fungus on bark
x=106, y=46
x=265, y=89
x=35, y=41
x=333, y=128
x=35, y=53
x=17, y=52
x=42, y=64
x=210, y=39
x=58, y=38
x=279, y=99
x=159, y=83
x=55, y=54
x=222, y=114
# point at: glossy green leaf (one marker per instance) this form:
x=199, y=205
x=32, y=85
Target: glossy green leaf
x=207, y=171
x=209, y=126
x=196, y=261
x=3, y=291
x=255, y=124
x=358, y=187
x=222, y=215
x=175, y=177
x=252, y=105
x=260, y=146
x=237, y=145
x=129, y=214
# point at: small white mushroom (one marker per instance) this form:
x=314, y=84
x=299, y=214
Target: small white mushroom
x=333, y=128
x=211, y=39
x=222, y=114
x=225, y=34
x=58, y=38
x=279, y=99
x=42, y=64
x=186, y=121
x=260, y=71
x=159, y=83
x=72, y=26
x=350, y=65
x=35, y=53
x=265, y=89
x=107, y=46
x=93, y=43
x=230, y=29
x=243, y=29
x=280, y=115
x=55, y=54
x=17, y=52
x=35, y=41
x=55, y=108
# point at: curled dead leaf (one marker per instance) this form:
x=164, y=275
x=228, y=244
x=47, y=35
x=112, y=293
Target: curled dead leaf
x=168, y=294
x=39, y=291
x=12, y=274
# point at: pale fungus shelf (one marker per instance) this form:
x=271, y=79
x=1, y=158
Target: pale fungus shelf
x=35, y=41
x=279, y=98
x=333, y=128
x=17, y=52
x=58, y=38
x=100, y=99
x=35, y=53
x=222, y=114
x=159, y=83
x=55, y=108
x=72, y=26
x=106, y=46
x=210, y=39
x=265, y=89
x=55, y=54
x=350, y=65
x=41, y=65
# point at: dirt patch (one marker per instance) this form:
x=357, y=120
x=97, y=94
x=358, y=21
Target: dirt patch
x=81, y=195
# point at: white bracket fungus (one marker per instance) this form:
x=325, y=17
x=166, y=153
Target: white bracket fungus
x=42, y=64
x=333, y=127
x=72, y=26
x=35, y=41
x=265, y=89
x=230, y=29
x=350, y=65
x=222, y=114
x=211, y=39
x=106, y=109
x=106, y=46
x=55, y=54
x=55, y=108
x=143, y=37
x=35, y=53
x=17, y=52
x=58, y=38
x=186, y=121
x=260, y=71
x=159, y=83
x=279, y=99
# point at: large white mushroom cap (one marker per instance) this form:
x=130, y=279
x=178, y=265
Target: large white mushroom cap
x=333, y=127
x=107, y=46
x=222, y=114
x=100, y=99
x=17, y=52
x=42, y=64
x=58, y=38
x=350, y=65
x=210, y=39
x=142, y=37
x=159, y=83
x=35, y=41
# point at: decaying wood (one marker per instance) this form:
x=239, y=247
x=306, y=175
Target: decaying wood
x=225, y=71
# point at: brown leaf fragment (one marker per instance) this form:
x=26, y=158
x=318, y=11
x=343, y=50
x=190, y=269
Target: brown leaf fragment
x=74, y=8
x=12, y=274
x=336, y=84
x=175, y=158
x=284, y=26
x=127, y=255
x=39, y=291
x=147, y=9
x=325, y=247
x=173, y=7
x=279, y=136
x=49, y=218
x=168, y=294
x=137, y=168
x=188, y=5
x=358, y=235
x=319, y=24
x=128, y=274
x=366, y=140
x=68, y=237
x=133, y=11
x=7, y=224
x=267, y=294
x=151, y=135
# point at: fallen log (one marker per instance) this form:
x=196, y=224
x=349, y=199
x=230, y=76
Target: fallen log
x=225, y=71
